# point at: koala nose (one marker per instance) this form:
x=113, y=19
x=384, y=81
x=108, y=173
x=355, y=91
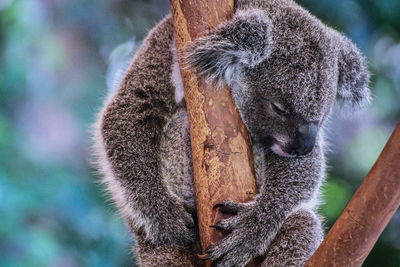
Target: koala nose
x=305, y=139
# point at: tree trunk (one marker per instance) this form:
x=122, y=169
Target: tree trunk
x=221, y=146
x=352, y=237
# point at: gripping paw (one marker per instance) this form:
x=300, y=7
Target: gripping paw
x=230, y=207
x=249, y=237
x=176, y=227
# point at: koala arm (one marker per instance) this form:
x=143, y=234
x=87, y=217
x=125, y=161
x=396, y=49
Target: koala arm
x=291, y=182
x=242, y=41
x=289, y=185
x=130, y=129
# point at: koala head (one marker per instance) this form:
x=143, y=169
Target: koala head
x=286, y=69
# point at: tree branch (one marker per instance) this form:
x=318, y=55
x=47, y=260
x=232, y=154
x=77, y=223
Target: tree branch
x=352, y=237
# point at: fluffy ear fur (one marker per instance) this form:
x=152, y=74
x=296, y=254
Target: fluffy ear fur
x=353, y=76
x=243, y=41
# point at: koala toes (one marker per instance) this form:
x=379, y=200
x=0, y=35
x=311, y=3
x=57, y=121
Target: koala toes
x=229, y=207
x=174, y=228
x=248, y=236
x=231, y=251
x=182, y=231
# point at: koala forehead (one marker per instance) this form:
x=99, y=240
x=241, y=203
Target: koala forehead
x=301, y=71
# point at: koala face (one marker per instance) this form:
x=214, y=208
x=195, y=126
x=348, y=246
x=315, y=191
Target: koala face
x=285, y=71
x=275, y=122
x=285, y=99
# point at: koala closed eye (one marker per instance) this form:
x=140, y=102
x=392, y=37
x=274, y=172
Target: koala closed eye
x=278, y=109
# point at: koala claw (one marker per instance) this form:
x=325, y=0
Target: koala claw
x=249, y=236
x=216, y=227
x=204, y=257
x=229, y=207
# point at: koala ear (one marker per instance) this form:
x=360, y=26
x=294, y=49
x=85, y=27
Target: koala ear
x=353, y=76
x=243, y=41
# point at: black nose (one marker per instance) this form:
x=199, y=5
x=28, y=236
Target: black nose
x=305, y=139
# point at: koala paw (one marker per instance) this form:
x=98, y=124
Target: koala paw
x=175, y=227
x=250, y=233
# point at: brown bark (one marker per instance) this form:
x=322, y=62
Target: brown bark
x=221, y=147
x=354, y=234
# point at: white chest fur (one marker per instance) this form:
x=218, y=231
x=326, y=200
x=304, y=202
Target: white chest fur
x=176, y=77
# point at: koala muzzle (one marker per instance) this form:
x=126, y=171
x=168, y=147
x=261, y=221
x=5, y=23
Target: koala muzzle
x=305, y=139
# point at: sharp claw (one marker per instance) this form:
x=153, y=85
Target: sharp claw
x=204, y=256
x=218, y=205
x=225, y=208
x=219, y=228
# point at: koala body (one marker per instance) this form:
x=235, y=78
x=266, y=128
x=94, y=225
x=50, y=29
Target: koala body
x=286, y=69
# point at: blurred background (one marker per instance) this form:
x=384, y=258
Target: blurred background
x=60, y=58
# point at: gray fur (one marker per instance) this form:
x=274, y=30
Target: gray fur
x=286, y=69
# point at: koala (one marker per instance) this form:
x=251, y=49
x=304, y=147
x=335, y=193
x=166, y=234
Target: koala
x=286, y=71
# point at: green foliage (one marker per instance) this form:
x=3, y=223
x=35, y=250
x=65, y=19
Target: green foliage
x=337, y=194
